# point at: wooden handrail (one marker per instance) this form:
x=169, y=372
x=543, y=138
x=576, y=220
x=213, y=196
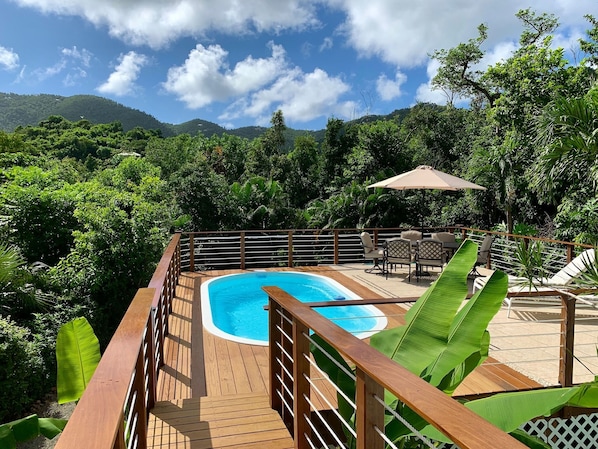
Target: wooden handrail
x=133, y=354
x=461, y=425
x=97, y=421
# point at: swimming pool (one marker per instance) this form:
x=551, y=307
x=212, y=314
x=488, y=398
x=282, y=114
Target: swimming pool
x=233, y=305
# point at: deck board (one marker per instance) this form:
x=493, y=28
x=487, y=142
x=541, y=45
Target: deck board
x=207, y=422
x=213, y=393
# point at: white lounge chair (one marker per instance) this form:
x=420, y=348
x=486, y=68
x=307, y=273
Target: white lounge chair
x=561, y=280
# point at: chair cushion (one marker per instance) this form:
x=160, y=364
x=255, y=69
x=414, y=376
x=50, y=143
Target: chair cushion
x=566, y=275
x=411, y=235
x=444, y=236
x=366, y=241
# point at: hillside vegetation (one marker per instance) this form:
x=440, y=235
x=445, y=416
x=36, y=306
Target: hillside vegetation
x=29, y=110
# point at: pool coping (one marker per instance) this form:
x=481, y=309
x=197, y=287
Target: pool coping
x=211, y=327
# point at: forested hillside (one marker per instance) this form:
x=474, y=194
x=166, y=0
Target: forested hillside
x=87, y=207
x=29, y=110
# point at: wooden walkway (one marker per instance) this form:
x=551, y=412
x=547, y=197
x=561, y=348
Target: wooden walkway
x=213, y=393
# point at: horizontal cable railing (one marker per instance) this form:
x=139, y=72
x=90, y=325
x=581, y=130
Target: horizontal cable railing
x=304, y=247
x=293, y=390
x=517, y=344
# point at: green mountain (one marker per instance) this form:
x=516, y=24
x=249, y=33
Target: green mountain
x=29, y=110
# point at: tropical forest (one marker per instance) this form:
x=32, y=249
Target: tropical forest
x=88, y=207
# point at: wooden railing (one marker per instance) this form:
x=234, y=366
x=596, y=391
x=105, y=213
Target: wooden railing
x=298, y=247
x=113, y=411
x=291, y=323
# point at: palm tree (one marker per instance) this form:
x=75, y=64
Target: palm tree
x=18, y=295
x=568, y=132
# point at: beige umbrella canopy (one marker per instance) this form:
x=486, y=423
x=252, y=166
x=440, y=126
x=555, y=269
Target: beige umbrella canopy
x=425, y=177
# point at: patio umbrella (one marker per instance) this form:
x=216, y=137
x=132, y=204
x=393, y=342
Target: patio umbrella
x=426, y=177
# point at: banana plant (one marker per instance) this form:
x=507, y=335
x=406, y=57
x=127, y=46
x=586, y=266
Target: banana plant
x=443, y=340
x=77, y=356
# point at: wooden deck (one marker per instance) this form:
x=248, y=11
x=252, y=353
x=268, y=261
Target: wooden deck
x=213, y=393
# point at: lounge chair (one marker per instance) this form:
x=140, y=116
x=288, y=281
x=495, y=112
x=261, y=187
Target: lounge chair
x=397, y=252
x=371, y=252
x=561, y=280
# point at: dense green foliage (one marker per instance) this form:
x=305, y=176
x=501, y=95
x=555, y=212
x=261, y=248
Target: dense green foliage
x=20, y=370
x=87, y=207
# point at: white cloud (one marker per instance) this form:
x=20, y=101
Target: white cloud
x=390, y=89
x=122, y=81
x=326, y=44
x=9, y=60
x=73, y=63
x=205, y=77
x=83, y=56
x=301, y=97
x=404, y=32
x=157, y=23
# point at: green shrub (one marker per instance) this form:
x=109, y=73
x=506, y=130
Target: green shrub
x=22, y=375
x=44, y=328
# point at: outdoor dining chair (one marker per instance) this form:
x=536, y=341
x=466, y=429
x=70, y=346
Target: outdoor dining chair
x=397, y=252
x=430, y=253
x=371, y=252
x=483, y=255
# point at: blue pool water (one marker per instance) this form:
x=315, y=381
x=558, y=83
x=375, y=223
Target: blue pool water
x=233, y=305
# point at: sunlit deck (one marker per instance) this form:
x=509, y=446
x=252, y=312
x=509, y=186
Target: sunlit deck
x=214, y=393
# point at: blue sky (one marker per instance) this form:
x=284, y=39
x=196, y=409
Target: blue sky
x=236, y=62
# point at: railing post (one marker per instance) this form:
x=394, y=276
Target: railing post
x=567, y=341
x=152, y=372
x=119, y=442
x=489, y=261
x=290, y=251
x=286, y=371
x=570, y=255
x=301, y=387
x=369, y=413
x=275, y=355
x=140, y=406
x=191, y=253
x=336, y=247
x=242, y=248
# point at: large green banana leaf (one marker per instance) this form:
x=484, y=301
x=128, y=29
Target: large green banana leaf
x=508, y=411
x=28, y=428
x=468, y=339
x=77, y=356
x=439, y=342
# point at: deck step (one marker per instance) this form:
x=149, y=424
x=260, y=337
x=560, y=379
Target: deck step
x=210, y=422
